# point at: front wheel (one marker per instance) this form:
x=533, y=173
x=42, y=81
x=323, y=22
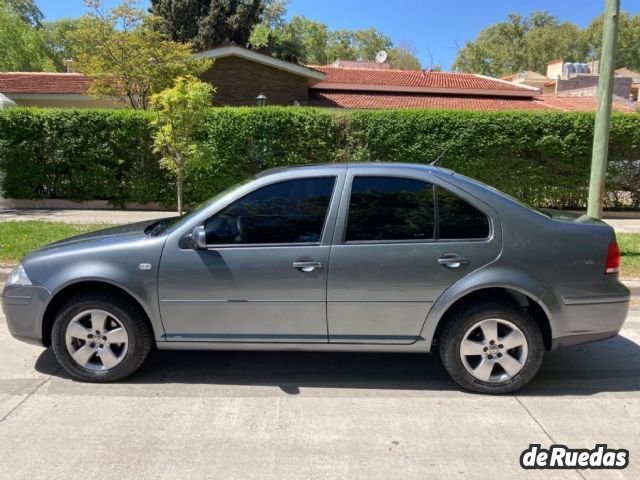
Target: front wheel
x=100, y=339
x=491, y=347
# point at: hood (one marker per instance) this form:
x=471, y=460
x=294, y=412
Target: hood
x=103, y=237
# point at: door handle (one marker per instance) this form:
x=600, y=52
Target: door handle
x=452, y=260
x=307, y=266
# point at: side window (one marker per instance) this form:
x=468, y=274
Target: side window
x=293, y=211
x=390, y=208
x=457, y=219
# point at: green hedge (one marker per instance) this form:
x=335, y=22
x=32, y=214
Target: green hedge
x=540, y=157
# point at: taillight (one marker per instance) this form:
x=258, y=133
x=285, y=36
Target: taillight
x=613, y=258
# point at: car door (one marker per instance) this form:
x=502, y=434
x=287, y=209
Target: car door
x=262, y=277
x=400, y=241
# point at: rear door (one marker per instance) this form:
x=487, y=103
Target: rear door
x=400, y=241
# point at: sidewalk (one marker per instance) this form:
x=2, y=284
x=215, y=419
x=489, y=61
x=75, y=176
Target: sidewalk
x=631, y=225
x=83, y=216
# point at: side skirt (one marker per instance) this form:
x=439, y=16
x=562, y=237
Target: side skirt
x=420, y=346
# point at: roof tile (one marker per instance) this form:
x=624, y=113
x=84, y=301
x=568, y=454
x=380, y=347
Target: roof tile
x=44, y=83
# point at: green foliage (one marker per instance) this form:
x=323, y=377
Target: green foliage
x=208, y=23
x=124, y=53
x=312, y=43
x=404, y=58
x=180, y=111
x=540, y=157
x=22, y=46
x=528, y=43
x=627, y=45
x=522, y=44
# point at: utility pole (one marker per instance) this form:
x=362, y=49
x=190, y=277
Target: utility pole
x=603, y=114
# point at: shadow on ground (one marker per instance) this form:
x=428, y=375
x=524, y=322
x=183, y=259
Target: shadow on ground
x=609, y=366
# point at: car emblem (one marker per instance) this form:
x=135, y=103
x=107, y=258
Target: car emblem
x=144, y=266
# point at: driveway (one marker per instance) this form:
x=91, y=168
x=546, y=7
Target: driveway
x=310, y=415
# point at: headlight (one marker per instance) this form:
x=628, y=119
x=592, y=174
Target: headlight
x=18, y=277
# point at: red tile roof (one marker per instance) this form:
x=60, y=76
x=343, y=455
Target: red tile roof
x=415, y=81
x=575, y=103
x=376, y=100
x=373, y=100
x=44, y=83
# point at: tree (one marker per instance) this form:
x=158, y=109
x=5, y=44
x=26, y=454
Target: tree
x=403, y=57
x=23, y=48
x=123, y=52
x=180, y=110
x=208, y=23
x=521, y=44
x=61, y=40
x=627, y=46
x=28, y=11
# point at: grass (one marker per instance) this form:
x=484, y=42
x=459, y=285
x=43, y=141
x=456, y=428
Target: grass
x=629, y=244
x=19, y=238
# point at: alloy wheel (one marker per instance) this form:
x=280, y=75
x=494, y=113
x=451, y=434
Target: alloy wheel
x=96, y=340
x=494, y=350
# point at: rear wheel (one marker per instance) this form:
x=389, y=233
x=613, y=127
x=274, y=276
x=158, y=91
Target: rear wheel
x=99, y=339
x=491, y=347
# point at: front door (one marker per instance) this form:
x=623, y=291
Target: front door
x=262, y=277
x=400, y=242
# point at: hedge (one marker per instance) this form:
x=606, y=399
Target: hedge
x=540, y=157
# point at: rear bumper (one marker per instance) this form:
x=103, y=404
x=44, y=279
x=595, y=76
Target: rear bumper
x=23, y=308
x=585, y=313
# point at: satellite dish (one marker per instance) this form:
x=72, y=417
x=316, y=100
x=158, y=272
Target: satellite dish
x=381, y=56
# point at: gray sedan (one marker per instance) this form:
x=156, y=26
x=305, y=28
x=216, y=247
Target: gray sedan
x=343, y=257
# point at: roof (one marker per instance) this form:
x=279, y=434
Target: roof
x=375, y=100
x=388, y=80
x=234, y=51
x=44, y=83
x=576, y=103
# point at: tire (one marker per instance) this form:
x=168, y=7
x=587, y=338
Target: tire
x=517, y=348
x=94, y=357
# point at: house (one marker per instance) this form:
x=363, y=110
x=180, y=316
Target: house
x=44, y=89
x=567, y=79
x=242, y=76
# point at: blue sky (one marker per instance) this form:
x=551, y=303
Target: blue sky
x=435, y=26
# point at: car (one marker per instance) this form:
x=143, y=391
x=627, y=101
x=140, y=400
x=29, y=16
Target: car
x=354, y=257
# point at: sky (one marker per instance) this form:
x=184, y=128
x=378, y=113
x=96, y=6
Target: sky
x=434, y=28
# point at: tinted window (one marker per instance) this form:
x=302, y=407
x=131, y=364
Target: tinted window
x=287, y=212
x=387, y=208
x=458, y=219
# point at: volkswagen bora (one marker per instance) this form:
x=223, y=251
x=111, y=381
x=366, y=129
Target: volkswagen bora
x=346, y=257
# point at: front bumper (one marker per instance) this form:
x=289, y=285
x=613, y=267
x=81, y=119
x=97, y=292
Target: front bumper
x=23, y=308
x=585, y=313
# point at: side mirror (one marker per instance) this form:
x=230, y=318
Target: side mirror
x=199, y=238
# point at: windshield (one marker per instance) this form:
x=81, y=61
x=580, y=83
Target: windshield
x=166, y=225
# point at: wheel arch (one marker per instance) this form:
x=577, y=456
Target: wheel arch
x=62, y=295
x=505, y=284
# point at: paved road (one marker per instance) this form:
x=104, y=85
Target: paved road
x=303, y=415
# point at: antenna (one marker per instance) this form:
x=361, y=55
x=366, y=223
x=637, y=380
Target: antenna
x=446, y=149
x=381, y=56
